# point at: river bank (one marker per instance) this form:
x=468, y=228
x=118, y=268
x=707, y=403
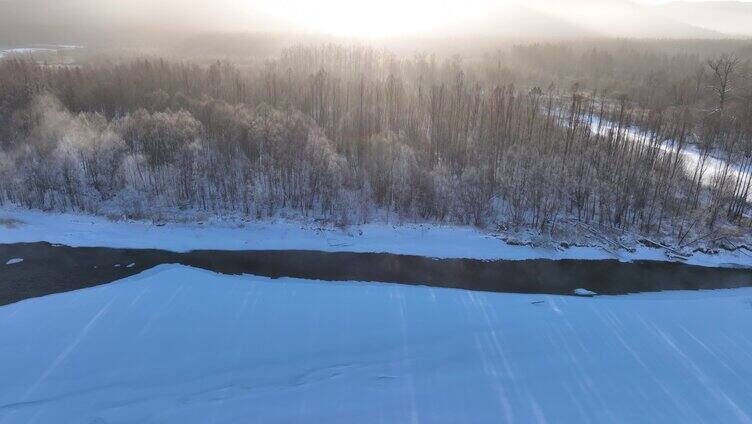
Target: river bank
x=426, y=240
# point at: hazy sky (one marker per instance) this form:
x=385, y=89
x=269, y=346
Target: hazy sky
x=377, y=18
x=400, y=17
x=396, y=17
x=689, y=1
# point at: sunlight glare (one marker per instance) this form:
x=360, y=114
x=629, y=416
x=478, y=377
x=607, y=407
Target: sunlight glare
x=384, y=18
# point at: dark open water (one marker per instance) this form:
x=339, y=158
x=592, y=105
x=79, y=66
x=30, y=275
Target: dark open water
x=48, y=269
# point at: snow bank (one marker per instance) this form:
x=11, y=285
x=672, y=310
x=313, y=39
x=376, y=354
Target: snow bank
x=179, y=345
x=421, y=240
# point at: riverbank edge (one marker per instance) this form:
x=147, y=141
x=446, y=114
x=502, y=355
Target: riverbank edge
x=427, y=240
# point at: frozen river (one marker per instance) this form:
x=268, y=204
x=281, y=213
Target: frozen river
x=712, y=167
x=179, y=345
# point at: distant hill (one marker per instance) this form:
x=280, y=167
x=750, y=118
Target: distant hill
x=516, y=21
x=728, y=17
x=101, y=21
x=583, y=18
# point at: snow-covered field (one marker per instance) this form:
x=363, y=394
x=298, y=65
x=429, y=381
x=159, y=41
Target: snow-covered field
x=180, y=345
x=421, y=240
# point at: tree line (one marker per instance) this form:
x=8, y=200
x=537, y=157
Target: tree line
x=357, y=134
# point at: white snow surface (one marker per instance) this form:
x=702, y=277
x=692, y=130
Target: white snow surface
x=421, y=240
x=181, y=345
x=14, y=261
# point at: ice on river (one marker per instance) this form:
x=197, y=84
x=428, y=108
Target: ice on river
x=33, y=50
x=712, y=168
x=180, y=345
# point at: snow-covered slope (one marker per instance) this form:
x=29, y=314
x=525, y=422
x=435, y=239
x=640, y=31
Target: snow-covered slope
x=421, y=240
x=179, y=345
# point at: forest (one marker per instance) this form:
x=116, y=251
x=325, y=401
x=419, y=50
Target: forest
x=540, y=137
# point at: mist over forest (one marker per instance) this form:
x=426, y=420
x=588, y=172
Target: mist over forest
x=515, y=120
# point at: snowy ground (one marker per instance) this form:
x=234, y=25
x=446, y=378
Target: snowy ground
x=179, y=345
x=422, y=240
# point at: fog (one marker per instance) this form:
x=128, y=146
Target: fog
x=93, y=21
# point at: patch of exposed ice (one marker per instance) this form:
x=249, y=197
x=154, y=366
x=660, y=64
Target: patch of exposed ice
x=584, y=292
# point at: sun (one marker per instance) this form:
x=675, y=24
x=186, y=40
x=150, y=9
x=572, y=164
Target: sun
x=374, y=18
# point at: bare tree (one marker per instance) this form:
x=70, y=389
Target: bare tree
x=723, y=68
